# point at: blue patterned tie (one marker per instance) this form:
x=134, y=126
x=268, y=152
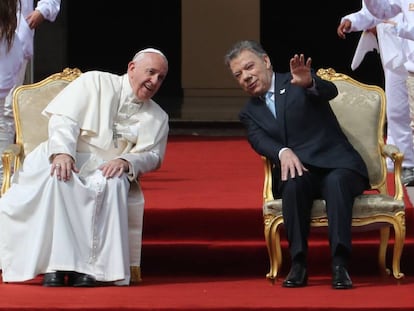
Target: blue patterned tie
x=270, y=103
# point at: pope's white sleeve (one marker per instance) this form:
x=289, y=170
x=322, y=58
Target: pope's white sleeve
x=63, y=135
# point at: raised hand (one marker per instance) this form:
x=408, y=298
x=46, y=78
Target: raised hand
x=301, y=71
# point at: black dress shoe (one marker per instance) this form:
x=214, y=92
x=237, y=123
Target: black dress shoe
x=340, y=278
x=297, y=277
x=54, y=279
x=81, y=280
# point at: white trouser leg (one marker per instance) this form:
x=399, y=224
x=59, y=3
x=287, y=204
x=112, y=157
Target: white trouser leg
x=399, y=117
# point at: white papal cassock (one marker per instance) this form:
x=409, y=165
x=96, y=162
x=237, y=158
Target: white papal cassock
x=88, y=224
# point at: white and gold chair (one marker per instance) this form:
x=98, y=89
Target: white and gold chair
x=29, y=100
x=360, y=109
x=31, y=126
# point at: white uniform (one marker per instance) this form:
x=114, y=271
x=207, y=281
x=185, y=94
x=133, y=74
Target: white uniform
x=89, y=224
x=398, y=112
x=384, y=9
x=13, y=64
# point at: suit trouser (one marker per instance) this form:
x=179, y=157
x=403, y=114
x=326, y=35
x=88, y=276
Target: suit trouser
x=338, y=187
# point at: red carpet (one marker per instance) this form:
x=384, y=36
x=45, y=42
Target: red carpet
x=204, y=247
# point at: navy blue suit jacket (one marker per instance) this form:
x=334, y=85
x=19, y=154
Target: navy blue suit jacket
x=305, y=123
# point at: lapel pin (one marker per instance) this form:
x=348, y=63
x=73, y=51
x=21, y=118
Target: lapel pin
x=282, y=91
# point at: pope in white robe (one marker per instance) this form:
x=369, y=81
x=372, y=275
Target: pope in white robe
x=76, y=204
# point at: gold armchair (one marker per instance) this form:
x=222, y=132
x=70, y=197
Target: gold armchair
x=32, y=128
x=360, y=109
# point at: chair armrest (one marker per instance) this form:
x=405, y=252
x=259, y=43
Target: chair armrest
x=390, y=151
x=11, y=159
x=397, y=157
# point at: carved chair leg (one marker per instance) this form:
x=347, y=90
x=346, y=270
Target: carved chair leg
x=135, y=274
x=399, y=229
x=382, y=251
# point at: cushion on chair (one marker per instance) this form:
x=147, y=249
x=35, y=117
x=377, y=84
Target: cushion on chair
x=365, y=206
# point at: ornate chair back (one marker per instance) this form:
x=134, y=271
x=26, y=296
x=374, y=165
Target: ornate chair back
x=31, y=126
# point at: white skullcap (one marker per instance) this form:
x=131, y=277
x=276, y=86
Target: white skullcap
x=149, y=50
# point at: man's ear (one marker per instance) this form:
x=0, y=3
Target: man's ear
x=267, y=61
x=131, y=66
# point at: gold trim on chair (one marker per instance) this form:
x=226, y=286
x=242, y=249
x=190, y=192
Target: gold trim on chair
x=135, y=274
x=376, y=209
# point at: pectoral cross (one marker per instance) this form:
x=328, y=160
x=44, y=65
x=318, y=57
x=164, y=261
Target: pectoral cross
x=115, y=136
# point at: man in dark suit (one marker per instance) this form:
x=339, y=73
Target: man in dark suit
x=297, y=129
